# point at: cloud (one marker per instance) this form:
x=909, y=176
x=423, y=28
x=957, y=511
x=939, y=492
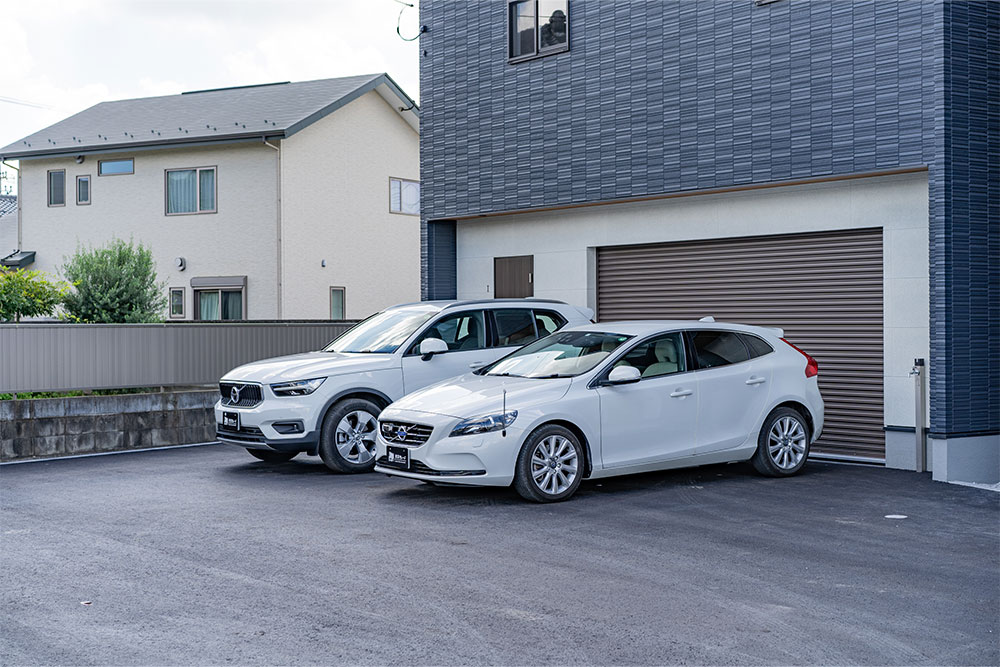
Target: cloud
x=71, y=55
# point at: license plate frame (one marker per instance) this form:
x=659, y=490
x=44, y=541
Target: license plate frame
x=231, y=420
x=398, y=457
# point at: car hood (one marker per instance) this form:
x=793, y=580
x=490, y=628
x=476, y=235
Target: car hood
x=309, y=365
x=473, y=395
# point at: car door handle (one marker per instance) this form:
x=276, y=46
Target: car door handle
x=756, y=380
x=477, y=364
x=681, y=393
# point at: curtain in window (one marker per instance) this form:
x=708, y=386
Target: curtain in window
x=232, y=305
x=206, y=196
x=57, y=188
x=182, y=191
x=208, y=306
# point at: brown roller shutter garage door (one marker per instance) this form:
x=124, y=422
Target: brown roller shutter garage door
x=824, y=289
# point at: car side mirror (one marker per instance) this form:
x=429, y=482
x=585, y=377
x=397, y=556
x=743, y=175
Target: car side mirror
x=431, y=346
x=624, y=375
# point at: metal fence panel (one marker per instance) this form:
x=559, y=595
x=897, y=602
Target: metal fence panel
x=67, y=357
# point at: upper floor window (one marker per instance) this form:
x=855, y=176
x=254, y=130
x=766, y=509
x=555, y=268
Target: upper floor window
x=57, y=187
x=115, y=167
x=190, y=190
x=83, y=190
x=537, y=27
x=404, y=196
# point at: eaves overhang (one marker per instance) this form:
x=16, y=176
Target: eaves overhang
x=68, y=151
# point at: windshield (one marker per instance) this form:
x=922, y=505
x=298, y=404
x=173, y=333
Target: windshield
x=382, y=332
x=563, y=354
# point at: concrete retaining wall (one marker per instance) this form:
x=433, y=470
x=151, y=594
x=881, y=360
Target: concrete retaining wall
x=42, y=428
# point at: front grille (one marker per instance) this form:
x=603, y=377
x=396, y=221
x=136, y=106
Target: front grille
x=244, y=434
x=422, y=468
x=405, y=433
x=249, y=394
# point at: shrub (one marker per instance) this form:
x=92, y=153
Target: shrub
x=25, y=293
x=114, y=284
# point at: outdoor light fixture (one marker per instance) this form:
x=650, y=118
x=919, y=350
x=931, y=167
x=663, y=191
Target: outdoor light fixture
x=180, y=263
x=80, y=159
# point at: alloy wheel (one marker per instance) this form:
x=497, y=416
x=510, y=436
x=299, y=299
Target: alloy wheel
x=554, y=465
x=356, y=436
x=786, y=443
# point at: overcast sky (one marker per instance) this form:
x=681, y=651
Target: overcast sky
x=60, y=57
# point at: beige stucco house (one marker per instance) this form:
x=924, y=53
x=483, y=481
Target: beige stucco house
x=280, y=201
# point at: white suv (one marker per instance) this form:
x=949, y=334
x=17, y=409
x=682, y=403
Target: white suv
x=328, y=402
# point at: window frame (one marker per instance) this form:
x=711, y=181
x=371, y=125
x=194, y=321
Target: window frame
x=121, y=159
x=197, y=194
x=601, y=378
x=413, y=349
x=343, y=302
x=170, y=304
x=90, y=187
x=401, y=211
x=196, y=293
x=692, y=357
x=538, y=51
x=48, y=187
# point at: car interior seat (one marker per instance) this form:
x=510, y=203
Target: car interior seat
x=470, y=341
x=666, y=358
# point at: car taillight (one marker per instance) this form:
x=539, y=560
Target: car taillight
x=812, y=368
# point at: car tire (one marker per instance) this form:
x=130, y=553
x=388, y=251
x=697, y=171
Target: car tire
x=270, y=456
x=340, y=450
x=782, y=444
x=547, y=455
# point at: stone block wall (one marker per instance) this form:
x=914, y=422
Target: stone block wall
x=43, y=428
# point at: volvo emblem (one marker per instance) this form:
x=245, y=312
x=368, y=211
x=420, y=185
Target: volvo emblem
x=234, y=395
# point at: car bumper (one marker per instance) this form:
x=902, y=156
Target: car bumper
x=259, y=426
x=475, y=460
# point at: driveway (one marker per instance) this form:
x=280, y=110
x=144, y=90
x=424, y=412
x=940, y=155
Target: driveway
x=202, y=555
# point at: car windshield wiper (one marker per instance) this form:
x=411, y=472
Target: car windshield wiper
x=506, y=375
x=552, y=375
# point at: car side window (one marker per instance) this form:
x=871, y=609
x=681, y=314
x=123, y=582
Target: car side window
x=548, y=322
x=758, y=346
x=460, y=331
x=662, y=355
x=718, y=348
x=515, y=326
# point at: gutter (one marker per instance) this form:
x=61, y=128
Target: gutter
x=3, y=160
x=278, y=265
x=91, y=149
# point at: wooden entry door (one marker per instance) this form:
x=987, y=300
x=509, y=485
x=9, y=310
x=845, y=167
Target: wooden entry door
x=513, y=277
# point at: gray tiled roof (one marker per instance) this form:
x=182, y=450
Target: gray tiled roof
x=8, y=205
x=272, y=110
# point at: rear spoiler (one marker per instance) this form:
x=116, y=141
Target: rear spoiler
x=586, y=312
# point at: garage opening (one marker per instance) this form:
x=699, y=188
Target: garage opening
x=824, y=289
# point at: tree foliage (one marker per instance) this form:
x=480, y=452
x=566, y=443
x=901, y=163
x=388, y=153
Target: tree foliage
x=25, y=293
x=114, y=284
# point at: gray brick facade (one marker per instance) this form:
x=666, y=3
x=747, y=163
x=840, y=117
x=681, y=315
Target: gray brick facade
x=660, y=97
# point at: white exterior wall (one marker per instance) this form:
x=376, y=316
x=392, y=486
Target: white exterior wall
x=564, y=242
x=335, y=207
x=237, y=240
x=8, y=234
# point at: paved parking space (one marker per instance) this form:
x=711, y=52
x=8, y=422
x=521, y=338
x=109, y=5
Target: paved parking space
x=202, y=555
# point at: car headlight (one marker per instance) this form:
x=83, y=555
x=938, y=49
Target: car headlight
x=297, y=388
x=484, y=424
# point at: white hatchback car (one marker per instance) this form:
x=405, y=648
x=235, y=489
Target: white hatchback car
x=327, y=402
x=611, y=399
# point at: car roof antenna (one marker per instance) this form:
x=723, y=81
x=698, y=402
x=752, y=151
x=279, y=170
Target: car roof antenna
x=707, y=318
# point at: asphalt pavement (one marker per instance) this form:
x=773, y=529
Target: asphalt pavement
x=205, y=556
